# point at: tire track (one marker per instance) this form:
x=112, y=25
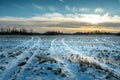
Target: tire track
x=21, y=72
x=93, y=61
x=15, y=51
x=13, y=66
x=109, y=44
x=60, y=60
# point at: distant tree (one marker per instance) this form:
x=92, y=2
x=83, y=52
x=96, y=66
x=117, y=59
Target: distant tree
x=1, y=29
x=31, y=31
x=118, y=34
x=52, y=33
x=24, y=31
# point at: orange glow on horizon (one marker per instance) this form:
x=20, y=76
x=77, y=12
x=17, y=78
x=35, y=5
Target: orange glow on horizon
x=81, y=29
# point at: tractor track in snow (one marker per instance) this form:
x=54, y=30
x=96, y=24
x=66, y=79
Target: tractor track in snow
x=19, y=77
x=59, y=56
x=59, y=50
x=17, y=50
x=93, y=61
x=104, y=41
x=13, y=68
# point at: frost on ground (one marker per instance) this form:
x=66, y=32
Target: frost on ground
x=60, y=57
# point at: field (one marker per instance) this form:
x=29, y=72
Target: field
x=60, y=57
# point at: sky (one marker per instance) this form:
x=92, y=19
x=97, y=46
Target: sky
x=61, y=15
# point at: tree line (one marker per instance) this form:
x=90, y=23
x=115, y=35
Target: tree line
x=15, y=31
x=23, y=31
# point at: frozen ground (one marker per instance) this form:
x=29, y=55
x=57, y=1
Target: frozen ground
x=60, y=57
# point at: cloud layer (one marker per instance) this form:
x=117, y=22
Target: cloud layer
x=65, y=23
x=67, y=17
x=76, y=9
x=37, y=6
x=99, y=10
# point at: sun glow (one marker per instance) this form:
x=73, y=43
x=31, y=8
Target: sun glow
x=94, y=19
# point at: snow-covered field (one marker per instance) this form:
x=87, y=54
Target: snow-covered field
x=63, y=57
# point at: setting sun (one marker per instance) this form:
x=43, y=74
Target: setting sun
x=94, y=19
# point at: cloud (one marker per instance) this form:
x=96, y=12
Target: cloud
x=51, y=8
x=76, y=9
x=66, y=23
x=84, y=9
x=91, y=18
x=99, y=10
x=61, y=0
x=53, y=15
x=37, y=6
